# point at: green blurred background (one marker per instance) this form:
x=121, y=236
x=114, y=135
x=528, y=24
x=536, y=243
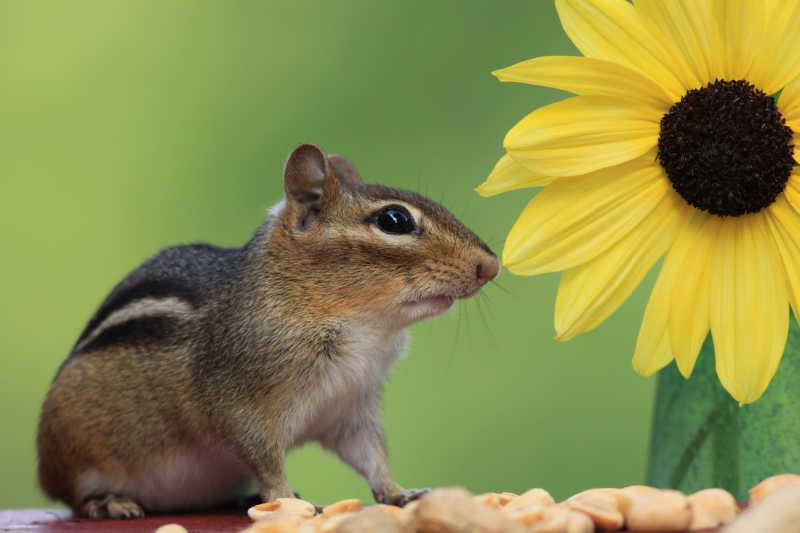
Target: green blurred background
x=129, y=126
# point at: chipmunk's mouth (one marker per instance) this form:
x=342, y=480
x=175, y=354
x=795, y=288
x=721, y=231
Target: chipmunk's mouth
x=441, y=301
x=429, y=306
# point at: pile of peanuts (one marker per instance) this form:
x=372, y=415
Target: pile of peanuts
x=454, y=510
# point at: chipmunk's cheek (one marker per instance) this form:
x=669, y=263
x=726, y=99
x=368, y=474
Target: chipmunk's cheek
x=365, y=296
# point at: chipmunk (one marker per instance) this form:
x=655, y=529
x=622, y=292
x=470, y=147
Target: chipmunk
x=205, y=365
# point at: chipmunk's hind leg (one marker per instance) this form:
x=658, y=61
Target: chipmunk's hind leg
x=110, y=506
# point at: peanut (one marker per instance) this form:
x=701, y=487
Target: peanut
x=664, y=510
x=171, y=528
x=579, y=523
x=561, y=519
x=454, y=511
x=389, y=509
x=490, y=499
x=526, y=514
x=711, y=508
x=443, y=511
x=601, y=505
x=322, y=523
x=343, y=506
x=533, y=496
x=277, y=522
x=370, y=521
x=506, y=497
x=770, y=485
x=641, y=490
x=312, y=525
x=779, y=513
x=330, y=523
x=626, y=495
x=286, y=505
x=486, y=520
x=408, y=512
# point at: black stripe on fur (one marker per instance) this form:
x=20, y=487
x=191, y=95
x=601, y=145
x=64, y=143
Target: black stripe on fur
x=145, y=289
x=137, y=331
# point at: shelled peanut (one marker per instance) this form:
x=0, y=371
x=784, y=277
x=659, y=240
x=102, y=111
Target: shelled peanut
x=282, y=505
x=171, y=528
x=454, y=510
x=770, y=485
x=779, y=511
x=711, y=508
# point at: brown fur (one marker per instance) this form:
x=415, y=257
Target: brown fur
x=276, y=327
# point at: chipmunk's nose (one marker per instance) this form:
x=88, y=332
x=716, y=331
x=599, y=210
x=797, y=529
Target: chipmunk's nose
x=487, y=269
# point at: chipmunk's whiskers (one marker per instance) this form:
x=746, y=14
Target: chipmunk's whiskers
x=479, y=301
x=495, y=283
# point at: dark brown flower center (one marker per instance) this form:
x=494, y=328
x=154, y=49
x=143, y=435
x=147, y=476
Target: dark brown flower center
x=726, y=148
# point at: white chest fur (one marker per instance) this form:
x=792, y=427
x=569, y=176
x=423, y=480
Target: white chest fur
x=348, y=383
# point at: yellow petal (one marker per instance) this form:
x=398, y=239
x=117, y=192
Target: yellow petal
x=653, y=346
x=574, y=219
x=683, y=271
x=612, y=30
x=749, y=307
x=784, y=224
x=789, y=106
x=741, y=29
x=777, y=58
x=582, y=134
x=509, y=175
x=688, y=265
x=687, y=24
x=588, y=76
x=792, y=191
x=789, y=103
x=591, y=292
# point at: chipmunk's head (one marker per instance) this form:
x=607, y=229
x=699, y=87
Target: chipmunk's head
x=360, y=250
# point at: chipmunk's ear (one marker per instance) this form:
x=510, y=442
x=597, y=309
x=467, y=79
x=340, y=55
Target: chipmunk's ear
x=345, y=170
x=309, y=183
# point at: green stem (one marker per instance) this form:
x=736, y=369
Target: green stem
x=726, y=447
x=701, y=438
x=695, y=445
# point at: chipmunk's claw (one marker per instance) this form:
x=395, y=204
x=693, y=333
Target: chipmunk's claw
x=317, y=508
x=410, y=496
x=111, y=506
x=403, y=498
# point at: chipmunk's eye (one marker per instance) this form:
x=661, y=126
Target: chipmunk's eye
x=395, y=219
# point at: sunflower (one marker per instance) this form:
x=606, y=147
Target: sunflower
x=680, y=144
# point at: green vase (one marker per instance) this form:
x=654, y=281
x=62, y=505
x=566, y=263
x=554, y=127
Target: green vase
x=701, y=438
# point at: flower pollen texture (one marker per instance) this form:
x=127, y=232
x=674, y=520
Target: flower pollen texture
x=726, y=148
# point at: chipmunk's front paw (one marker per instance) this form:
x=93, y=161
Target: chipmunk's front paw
x=400, y=498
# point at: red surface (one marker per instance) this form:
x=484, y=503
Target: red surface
x=57, y=521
